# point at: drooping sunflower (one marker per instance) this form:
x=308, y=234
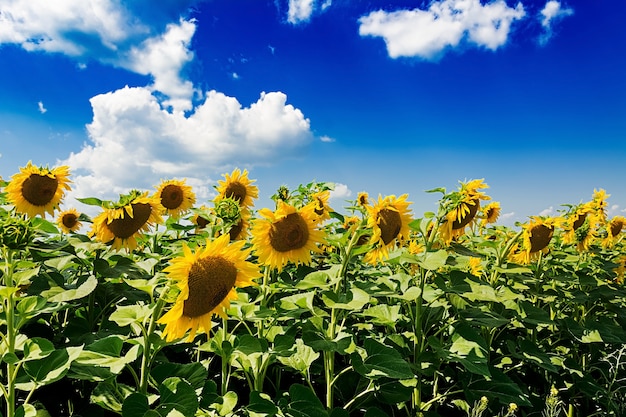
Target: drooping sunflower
x=490, y=213
x=175, y=197
x=465, y=203
x=363, y=199
x=536, y=236
x=580, y=227
x=389, y=221
x=319, y=206
x=123, y=224
x=285, y=235
x=620, y=271
x=68, y=220
x=239, y=230
x=207, y=279
x=37, y=190
x=614, y=231
x=238, y=187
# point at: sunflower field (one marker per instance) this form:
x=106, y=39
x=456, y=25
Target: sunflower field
x=161, y=306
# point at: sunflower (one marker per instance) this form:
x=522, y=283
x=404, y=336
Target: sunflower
x=363, y=199
x=490, y=213
x=465, y=205
x=475, y=266
x=285, y=235
x=37, y=190
x=536, y=235
x=123, y=224
x=598, y=204
x=319, y=206
x=620, y=271
x=207, y=279
x=613, y=231
x=238, y=187
x=175, y=197
x=389, y=221
x=68, y=220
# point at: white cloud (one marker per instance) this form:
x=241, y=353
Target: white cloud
x=428, y=33
x=163, y=57
x=300, y=11
x=41, y=108
x=235, y=76
x=135, y=143
x=326, y=139
x=53, y=26
x=547, y=212
x=552, y=11
x=340, y=192
x=105, y=31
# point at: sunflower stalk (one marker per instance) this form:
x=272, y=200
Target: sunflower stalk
x=9, y=307
x=148, y=353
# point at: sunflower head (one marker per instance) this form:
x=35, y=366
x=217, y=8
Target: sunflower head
x=536, y=236
x=319, y=207
x=238, y=187
x=285, y=235
x=490, y=213
x=460, y=208
x=37, y=190
x=207, y=279
x=388, y=220
x=69, y=220
x=363, y=199
x=127, y=220
x=613, y=231
x=229, y=210
x=175, y=197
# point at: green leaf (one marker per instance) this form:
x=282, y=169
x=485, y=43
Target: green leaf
x=301, y=359
x=469, y=349
x=380, y=361
x=135, y=405
x=227, y=404
x=316, y=279
x=298, y=301
x=91, y=201
x=48, y=370
x=23, y=277
x=499, y=386
x=26, y=410
x=194, y=373
x=177, y=394
x=110, y=396
x=261, y=403
x=304, y=403
x=320, y=343
x=135, y=314
x=433, y=260
x=384, y=314
x=37, y=348
x=356, y=299
x=59, y=294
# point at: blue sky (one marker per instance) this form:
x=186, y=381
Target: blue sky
x=388, y=97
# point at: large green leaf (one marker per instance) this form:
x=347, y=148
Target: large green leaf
x=380, y=361
x=304, y=403
x=194, y=373
x=177, y=394
x=47, y=370
x=301, y=359
x=469, y=349
x=355, y=299
x=60, y=294
x=135, y=405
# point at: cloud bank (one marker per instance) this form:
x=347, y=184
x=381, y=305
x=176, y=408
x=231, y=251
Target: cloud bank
x=429, y=33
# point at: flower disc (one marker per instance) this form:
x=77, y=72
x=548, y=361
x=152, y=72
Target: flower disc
x=289, y=233
x=390, y=224
x=210, y=280
x=540, y=236
x=127, y=226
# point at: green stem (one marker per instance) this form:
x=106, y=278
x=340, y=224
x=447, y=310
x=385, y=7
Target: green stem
x=10, y=333
x=146, y=358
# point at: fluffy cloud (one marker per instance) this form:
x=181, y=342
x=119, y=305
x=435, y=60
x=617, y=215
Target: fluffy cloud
x=552, y=12
x=66, y=26
x=340, y=193
x=300, y=11
x=108, y=32
x=427, y=33
x=135, y=142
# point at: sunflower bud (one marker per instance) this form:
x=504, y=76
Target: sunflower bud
x=228, y=210
x=15, y=233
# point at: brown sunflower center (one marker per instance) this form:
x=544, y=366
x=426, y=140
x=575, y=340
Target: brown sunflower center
x=210, y=280
x=616, y=227
x=69, y=220
x=579, y=221
x=540, y=236
x=289, y=233
x=468, y=217
x=237, y=191
x=126, y=226
x=201, y=222
x=39, y=190
x=172, y=196
x=390, y=223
